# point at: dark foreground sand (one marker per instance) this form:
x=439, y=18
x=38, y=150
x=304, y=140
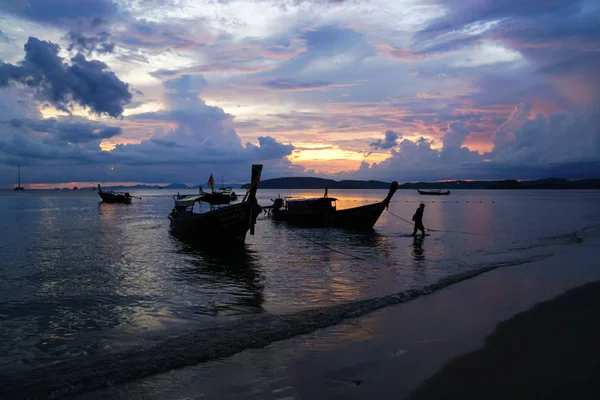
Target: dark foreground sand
x=511, y=333
x=551, y=351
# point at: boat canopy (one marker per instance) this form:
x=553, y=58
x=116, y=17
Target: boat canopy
x=186, y=201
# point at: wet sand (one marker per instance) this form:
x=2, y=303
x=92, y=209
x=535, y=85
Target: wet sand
x=551, y=351
x=414, y=348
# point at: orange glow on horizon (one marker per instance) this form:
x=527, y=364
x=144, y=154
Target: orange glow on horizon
x=84, y=185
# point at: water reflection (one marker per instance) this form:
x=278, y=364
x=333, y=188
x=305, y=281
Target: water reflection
x=418, y=251
x=229, y=276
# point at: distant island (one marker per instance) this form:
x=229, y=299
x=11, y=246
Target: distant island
x=317, y=183
x=321, y=183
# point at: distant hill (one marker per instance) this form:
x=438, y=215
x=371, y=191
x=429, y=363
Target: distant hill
x=320, y=183
x=317, y=183
x=122, y=187
x=548, y=183
x=176, y=186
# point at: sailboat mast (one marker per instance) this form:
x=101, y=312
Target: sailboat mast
x=19, y=169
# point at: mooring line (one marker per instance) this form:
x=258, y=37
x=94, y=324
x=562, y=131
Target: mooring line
x=332, y=249
x=435, y=230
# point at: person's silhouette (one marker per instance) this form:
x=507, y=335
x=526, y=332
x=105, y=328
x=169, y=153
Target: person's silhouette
x=418, y=218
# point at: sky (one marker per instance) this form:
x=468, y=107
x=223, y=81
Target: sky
x=162, y=91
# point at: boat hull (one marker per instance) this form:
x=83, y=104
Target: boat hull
x=425, y=193
x=359, y=218
x=216, y=198
x=114, y=198
x=321, y=219
x=318, y=212
x=232, y=222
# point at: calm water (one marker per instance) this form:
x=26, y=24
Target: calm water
x=79, y=278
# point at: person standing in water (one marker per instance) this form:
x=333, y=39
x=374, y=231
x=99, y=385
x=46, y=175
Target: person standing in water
x=418, y=218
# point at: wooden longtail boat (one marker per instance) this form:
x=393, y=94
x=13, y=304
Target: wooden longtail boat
x=433, y=192
x=114, y=197
x=363, y=217
x=226, y=222
x=312, y=212
x=19, y=188
x=322, y=212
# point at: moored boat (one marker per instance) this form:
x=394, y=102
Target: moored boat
x=225, y=222
x=114, y=197
x=322, y=212
x=363, y=217
x=19, y=188
x=433, y=192
x=223, y=195
x=313, y=212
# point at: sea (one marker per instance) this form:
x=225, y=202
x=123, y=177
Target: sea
x=96, y=294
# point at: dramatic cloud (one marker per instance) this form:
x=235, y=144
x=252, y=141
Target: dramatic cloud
x=92, y=38
x=56, y=11
x=478, y=88
x=201, y=140
x=87, y=83
x=202, y=133
x=390, y=140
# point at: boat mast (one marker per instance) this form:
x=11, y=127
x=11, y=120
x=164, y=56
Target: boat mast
x=19, y=169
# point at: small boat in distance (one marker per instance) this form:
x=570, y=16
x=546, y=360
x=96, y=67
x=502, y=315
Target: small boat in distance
x=223, y=195
x=433, y=192
x=91, y=185
x=216, y=197
x=19, y=188
x=114, y=197
x=226, y=222
x=227, y=191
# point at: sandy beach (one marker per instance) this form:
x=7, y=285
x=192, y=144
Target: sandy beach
x=509, y=333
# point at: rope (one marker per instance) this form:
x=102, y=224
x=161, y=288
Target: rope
x=399, y=217
x=434, y=230
x=332, y=249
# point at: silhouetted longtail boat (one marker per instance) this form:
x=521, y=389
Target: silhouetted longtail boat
x=226, y=222
x=223, y=195
x=363, y=217
x=322, y=212
x=433, y=192
x=311, y=212
x=19, y=187
x=114, y=197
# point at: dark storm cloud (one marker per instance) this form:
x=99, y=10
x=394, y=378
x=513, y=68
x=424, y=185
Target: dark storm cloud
x=269, y=148
x=469, y=13
x=65, y=130
x=90, y=37
x=390, y=140
x=88, y=83
x=56, y=11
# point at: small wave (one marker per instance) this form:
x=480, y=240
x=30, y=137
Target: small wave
x=222, y=340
